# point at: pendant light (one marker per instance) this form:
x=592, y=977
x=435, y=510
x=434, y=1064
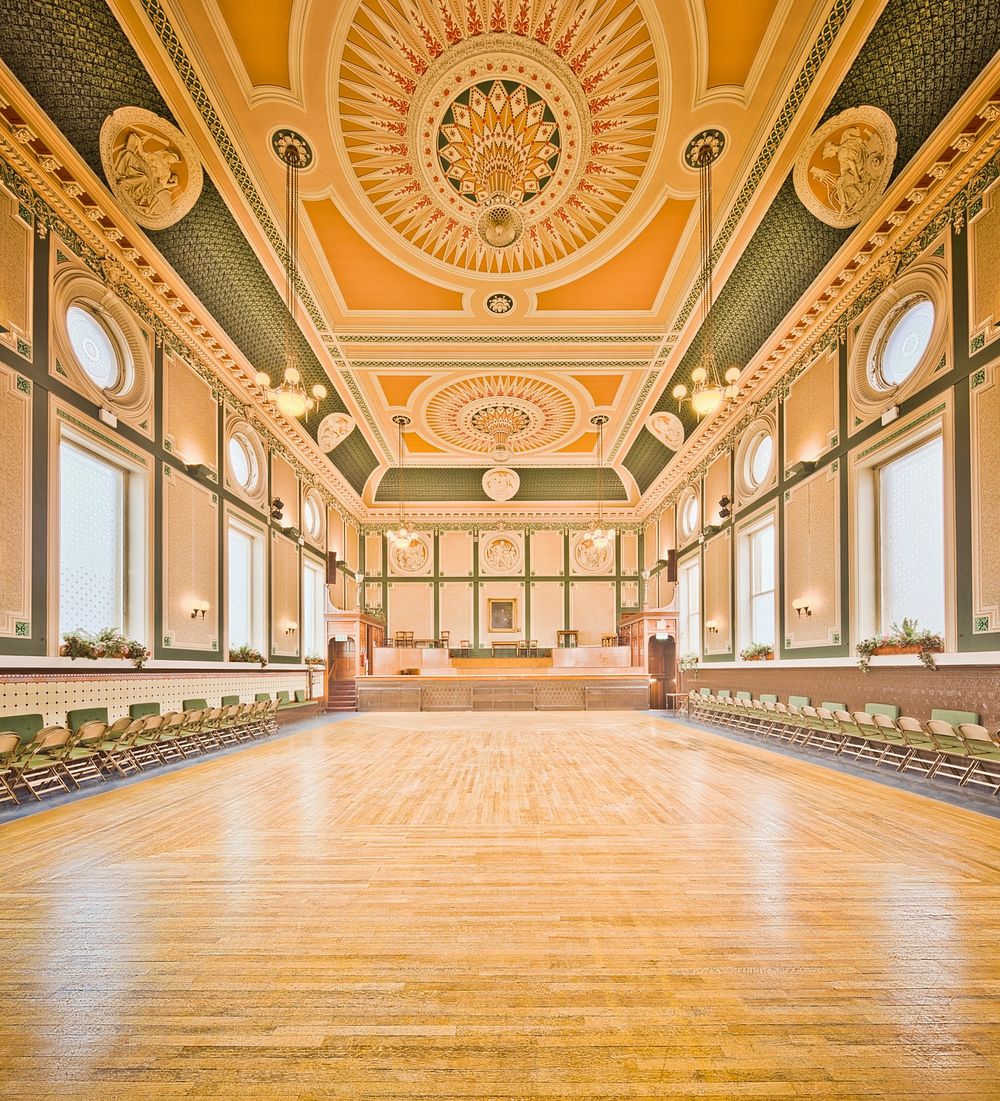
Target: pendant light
x=403, y=537
x=708, y=391
x=599, y=536
x=290, y=395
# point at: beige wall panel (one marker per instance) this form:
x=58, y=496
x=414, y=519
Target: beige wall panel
x=350, y=593
x=455, y=555
x=373, y=595
x=547, y=611
x=190, y=562
x=285, y=485
x=15, y=272
x=630, y=552
x=190, y=414
x=984, y=270
x=812, y=560
x=373, y=554
x=547, y=553
x=717, y=486
x=353, y=544
x=15, y=532
x=668, y=535
x=509, y=562
x=335, y=532
x=592, y=609
x=666, y=591
x=284, y=595
x=986, y=500
x=718, y=586
x=455, y=611
x=411, y=608
x=498, y=588
x=650, y=541
x=811, y=411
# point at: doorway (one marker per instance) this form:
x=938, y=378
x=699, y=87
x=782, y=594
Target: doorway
x=662, y=670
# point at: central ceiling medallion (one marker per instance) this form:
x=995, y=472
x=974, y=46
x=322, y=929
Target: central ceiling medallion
x=500, y=415
x=498, y=145
x=498, y=135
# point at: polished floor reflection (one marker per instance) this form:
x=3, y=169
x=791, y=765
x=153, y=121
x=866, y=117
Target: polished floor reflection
x=497, y=907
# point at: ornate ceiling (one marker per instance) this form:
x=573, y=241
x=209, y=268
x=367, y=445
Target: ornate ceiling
x=498, y=224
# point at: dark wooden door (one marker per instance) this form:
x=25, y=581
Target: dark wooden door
x=662, y=670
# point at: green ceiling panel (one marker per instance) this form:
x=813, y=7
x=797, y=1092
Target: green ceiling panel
x=919, y=59
x=465, y=483
x=77, y=63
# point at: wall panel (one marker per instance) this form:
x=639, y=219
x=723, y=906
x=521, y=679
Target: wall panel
x=718, y=586
x=812, y=559
x=190, y=415
x=15, y=532
x=547, y=611
x=190, y=562
x=498, y=588
x=285, y=485
x=411, y=608
x=284, y=596
x=15, y=275
x=985, y=410
x=455, y=552
x=592, y=610
x=456, y=605
x=811, y=411
x=547, y=550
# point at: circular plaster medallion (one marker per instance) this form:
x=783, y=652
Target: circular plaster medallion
x=334, y=429
x=592, y=558
x=410, y=559
x=499, y=303
x=152, y=169
x=667, y=428
x=502, y=554
x=705, y=148
x=844, y=168
x=546, y=114
x=291, y=148
x=470, y=414
x=501, y=483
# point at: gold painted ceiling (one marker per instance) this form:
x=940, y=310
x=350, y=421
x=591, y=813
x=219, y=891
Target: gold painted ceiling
x=436, y=123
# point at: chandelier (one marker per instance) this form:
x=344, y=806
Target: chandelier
x=500, y=423
x=708, y=391
x=599, y=536
x=290, y=395
x=403, y=537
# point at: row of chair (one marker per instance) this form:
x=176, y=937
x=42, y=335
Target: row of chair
x=36, y=759
x=950, y=744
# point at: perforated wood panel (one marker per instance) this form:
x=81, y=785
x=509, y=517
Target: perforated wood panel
x=15, y=531
x=411, y=608
x=284, y=596
x=718, y=577
x=455, y=551
x=547, y=553
x=811, y=411
x=812, y=560
x=986, y=508
x=285, y=485
x=190, y=415
x=547, y=611
x=718, y=484
x=190, y=562
x=592, y=610
x=456, y=611
x=15, y=269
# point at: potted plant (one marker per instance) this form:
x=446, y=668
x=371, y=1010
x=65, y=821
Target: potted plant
x=313, y=659
x=757, y=651
x=247, y=654
x=78, y=644
x=688, y=662
x=901, y=638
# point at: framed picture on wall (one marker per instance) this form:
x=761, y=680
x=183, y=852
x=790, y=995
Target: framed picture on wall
x=502, y=614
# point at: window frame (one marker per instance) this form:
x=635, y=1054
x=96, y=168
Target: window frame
x=258, y=580
x=745, y=596
x=309, y=563
x=689, y=495
x=136, y=562
x=685, y=568
x=312, y=497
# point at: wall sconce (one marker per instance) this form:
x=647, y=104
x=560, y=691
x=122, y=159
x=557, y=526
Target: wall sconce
x=199, y=609
x=801, y=607
x=291, y=628
x=712, y=627
x=277, y=504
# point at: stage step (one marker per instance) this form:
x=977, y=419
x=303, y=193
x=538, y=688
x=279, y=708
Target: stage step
x=343, y=696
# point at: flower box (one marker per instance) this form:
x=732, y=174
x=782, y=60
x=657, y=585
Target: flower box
x=761, y=657
x=888, y=648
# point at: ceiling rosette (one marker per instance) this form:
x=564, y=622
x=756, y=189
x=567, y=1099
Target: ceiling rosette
x=498, y=135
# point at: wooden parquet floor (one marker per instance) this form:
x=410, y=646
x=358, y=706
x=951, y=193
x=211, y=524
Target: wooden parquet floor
x=544, y=907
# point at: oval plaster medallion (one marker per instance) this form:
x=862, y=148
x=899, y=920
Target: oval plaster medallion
x=502, y=554
x=152, y=169
x=845, y=166
x=334, y=429
x=667, y=428
x=501, y=483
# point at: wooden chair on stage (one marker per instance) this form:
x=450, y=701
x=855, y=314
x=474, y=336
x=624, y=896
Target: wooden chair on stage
x=465, y=648
x=533, y=648
x=522, y=648
x=609, y=640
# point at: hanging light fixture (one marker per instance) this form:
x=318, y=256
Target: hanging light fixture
x=599, y=536
x=708, y=391
x=403, y=537
x=290, y=395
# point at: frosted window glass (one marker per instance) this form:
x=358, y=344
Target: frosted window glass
x=689, y=602
x=312, y=609
x=908, y=340
x=911, y=537
x=760, y=460
x=689, y=514
x=762, y=585
x=91, y=542
x=240, y=588
x=242, y=463
x=92, y=347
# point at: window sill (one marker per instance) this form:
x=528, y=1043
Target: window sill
x=985, y=657
x=112, y=665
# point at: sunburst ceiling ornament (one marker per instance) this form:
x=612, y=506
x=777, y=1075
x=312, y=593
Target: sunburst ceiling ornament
x=498, y=135
x=513, y=413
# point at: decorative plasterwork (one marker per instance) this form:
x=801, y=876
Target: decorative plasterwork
x=61, y=195
x=333, y=430
x=434, y=98
x=844, y=168
x=501, y=483
x=502, y=553
x=667, y=428
x=589, y=558
x=951, y=185
x=413, y=559
x=151, y=167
